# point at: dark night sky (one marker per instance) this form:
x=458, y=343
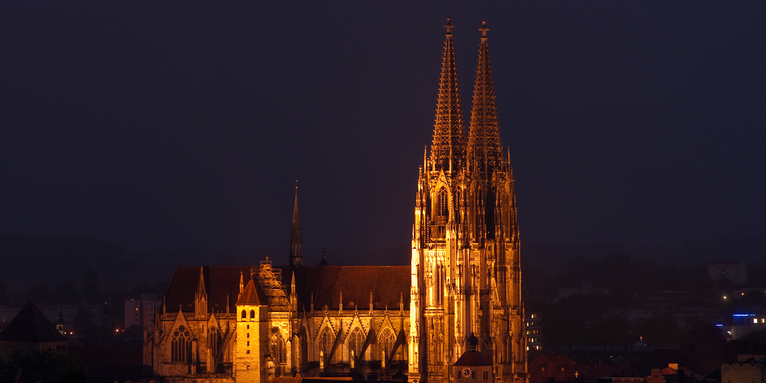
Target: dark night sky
x=171, y=126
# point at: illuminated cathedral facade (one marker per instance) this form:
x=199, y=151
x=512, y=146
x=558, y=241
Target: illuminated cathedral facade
x=255, y=323
x=465, y=269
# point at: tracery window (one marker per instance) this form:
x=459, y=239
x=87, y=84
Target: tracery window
x=326, y=341
x=214, y=338
x=278, y=348
x=180, y=346
x=355, y=343
x=442, y=209
x=385, y=343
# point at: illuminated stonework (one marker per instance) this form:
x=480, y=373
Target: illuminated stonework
x=466, y=273
x=348, y=320
x=253, y=323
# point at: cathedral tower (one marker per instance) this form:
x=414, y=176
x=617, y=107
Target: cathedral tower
x=466, y=276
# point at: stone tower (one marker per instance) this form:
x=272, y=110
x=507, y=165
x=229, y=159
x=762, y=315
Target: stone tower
x=466, y=274
x=251, y=334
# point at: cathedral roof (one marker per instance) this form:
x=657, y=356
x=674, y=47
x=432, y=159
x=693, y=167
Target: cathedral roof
x=30, y=324
x=220, y=282
x=388, y=284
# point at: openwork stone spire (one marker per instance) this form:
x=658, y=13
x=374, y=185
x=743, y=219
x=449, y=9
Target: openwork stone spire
x=448, y=146
x=296, y=252
x=484, y=143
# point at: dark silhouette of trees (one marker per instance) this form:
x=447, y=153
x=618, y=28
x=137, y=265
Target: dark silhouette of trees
x=52, y=365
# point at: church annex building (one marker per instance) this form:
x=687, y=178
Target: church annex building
x=457, y=303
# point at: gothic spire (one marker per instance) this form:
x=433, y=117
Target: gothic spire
x=296, y=253
x=201, y=284
x=484, y=143
x=448, y=146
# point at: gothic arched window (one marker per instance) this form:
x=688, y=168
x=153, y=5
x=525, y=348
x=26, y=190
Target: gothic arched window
x=180, y=346
x=385, y=343
x=355, y=343
x=214, y=340
x=244, y=314
x=326, y=341
x=252, y=314
x=278, y=349
x=442, y=208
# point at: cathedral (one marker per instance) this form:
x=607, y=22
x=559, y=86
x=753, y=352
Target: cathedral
x=460, y=296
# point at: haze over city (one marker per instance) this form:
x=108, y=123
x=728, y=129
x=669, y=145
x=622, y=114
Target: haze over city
x=273, y=192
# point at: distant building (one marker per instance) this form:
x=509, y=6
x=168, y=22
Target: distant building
x=744, y=323
x=561, y=368
x=586, y=289
x=140, y=312
x=668, y=301
x=747, y=290
x=534, y=327
x=735, y=271
x=632, y=315
x=743, y=372
x=29, y=331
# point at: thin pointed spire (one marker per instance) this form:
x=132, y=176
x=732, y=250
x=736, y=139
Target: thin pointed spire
x=296, y=245
x=448, y=145
x=484, y=141
x=201, y=284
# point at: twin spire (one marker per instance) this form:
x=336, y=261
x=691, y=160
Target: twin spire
x=449, y=132
x=483, y=149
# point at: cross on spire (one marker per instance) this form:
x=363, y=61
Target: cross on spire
x=449, y=26
x=483, y=29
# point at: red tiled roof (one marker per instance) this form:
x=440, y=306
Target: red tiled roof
x=220, y=282
x=473, y=358
x=388, y=284
x=252, y=295
x=556, y=367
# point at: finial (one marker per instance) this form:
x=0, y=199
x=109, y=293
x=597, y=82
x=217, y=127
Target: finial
x=484, y=29
x=449, y=26
x=296, y=184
